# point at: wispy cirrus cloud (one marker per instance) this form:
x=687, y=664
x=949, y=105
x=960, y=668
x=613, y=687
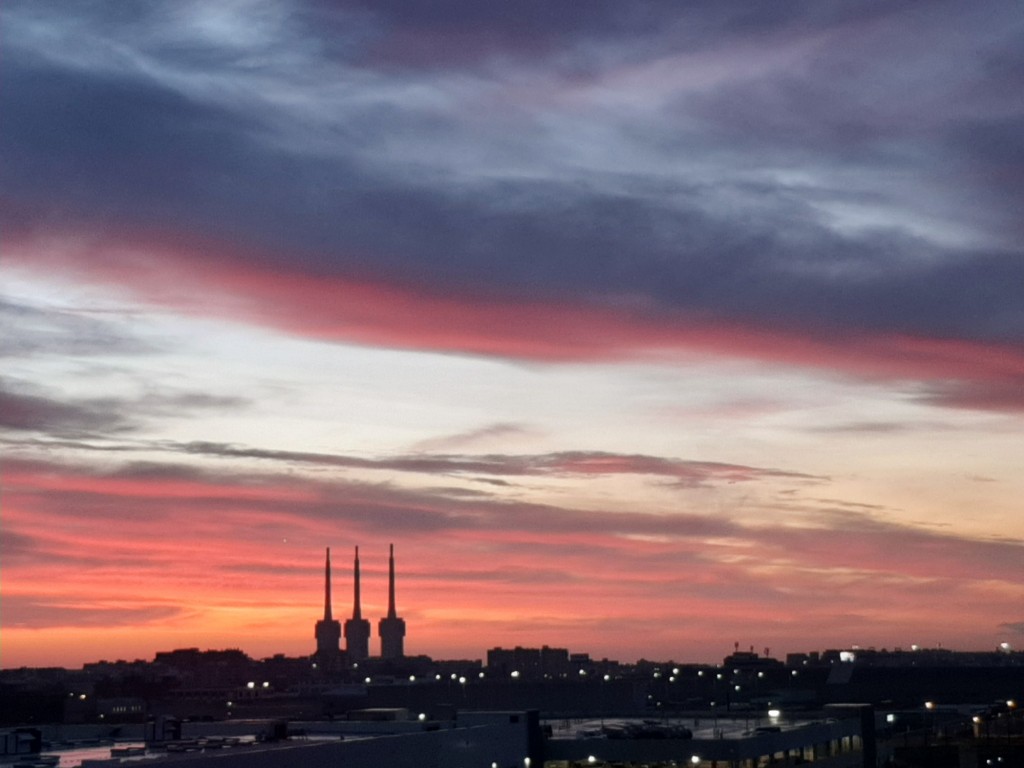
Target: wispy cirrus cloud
x=487, y=468
x=44, y=612
x=34, y=409
x=487, y=434
x=564, y=463
x=24, y=411
x=29, y=330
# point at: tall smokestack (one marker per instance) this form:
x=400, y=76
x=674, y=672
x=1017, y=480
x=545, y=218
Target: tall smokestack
x=391, y=628
x=391, y=584
x=327, y=588
x=357, y=629
x=327, y=631
x=357, y=607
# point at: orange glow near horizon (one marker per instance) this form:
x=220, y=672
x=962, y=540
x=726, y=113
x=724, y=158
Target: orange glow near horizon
x=125, y=581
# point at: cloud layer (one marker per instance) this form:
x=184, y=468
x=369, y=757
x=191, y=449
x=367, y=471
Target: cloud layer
x=705, y=310
x=755, y=174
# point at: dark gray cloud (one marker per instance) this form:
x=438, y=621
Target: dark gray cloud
x=686, y=473
x=790, y=166
x=171, y=403
x=32, y=409
x=35, y=413
x=20, y=548
x=866, y=427
x=464, y=439
x=981, y=395
x=460, y=33
x=27, y=330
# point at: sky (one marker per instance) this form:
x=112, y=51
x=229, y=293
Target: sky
x=641, y=329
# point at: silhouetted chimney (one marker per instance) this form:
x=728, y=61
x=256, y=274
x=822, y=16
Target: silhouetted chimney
x=327, y=630
x=357, y=629
x=392, y=628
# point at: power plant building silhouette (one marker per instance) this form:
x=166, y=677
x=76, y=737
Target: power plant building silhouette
x=357, y=629
x=328, y=629
x=391, y=628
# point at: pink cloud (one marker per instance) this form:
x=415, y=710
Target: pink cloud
x=220, y=552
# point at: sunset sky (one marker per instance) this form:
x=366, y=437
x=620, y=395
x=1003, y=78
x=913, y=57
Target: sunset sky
x=639, y=328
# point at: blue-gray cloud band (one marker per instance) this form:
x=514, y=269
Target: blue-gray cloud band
x=558, y=155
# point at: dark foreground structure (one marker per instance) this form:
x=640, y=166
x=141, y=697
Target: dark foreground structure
x=393, y=738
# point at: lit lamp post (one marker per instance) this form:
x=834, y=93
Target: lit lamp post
x=604, y=697
x=977, y=720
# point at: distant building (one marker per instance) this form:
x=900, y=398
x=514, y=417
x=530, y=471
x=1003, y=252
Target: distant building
x=392, y=628
x=535, y=663
x=749, y=660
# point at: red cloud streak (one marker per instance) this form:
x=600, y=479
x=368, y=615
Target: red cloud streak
x=210, y=278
